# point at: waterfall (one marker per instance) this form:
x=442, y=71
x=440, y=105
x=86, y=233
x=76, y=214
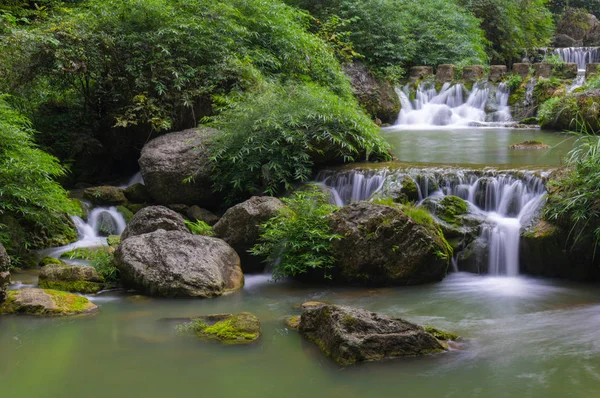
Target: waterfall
x=506, y=200
x=579, y=55
x=454, y=105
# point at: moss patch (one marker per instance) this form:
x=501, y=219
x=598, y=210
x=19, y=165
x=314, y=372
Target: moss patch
x=440, y=334
x=84, y=287
x=45, y=302
x=243, y=328
x=450, y=208
x=86, y=253
x=50, y=260
x=113, y=240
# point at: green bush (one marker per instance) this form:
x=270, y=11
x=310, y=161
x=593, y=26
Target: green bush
x=273, y=137
x=299, y=238
x=32, y=201
x=574, y=202
x=558, y=112
x=514, y=82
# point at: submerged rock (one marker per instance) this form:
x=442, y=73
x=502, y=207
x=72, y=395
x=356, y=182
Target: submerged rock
x=350, y=335
x=105, y=196
x=178, y=264
x=4, y=272
x=153, y=218
x=46, y=302
x=530, y=145
x=170, y=159
x=240, y=227
x=242, y=328
x=382, y=245
x=71, y=278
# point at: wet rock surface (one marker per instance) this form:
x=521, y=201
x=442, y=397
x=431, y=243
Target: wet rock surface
x=153, y=218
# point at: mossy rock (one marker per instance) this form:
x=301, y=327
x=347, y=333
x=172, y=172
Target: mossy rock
x=50, y=260
x=137, y=193
x=71, y=278
x=451, y=208
x=409, y=192
x=293, y=322
x=126, y=213
x=46, y=302
x=113, y=240
x=243, y=328
x=530, y=145
x=530, y=121
x=135, y=207
x=440, y=334
x=84, y=287
x=105, y=196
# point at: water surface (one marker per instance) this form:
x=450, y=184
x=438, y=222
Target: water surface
x=522, y=338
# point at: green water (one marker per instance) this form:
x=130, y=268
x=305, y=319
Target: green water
x=480, y=146
x=522, y=338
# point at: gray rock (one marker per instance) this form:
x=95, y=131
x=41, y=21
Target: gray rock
x=107, y=224
x=4, y=272
x=105, y=195
x=70, y=278
x=497, y=73
x=521, y=69
x=178, y=264
x=382, y=245
x=137, y=193
x=561, y=40
x=168, y=160
x=445, y=73
x=350, y=335
x=543, y=69
x=417, y=73
x=153, y=218
x=196, y=213
x=473, y=73
x=240, y=227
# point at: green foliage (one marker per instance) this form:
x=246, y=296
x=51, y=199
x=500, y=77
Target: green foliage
x=420, y=215
x=273, y=137
x=512, y=26
x=100, y=258
x=299, y=238
x=392, y=33
x=558, y=111
x=514, y=82
x=593, y=81
x=560, y=6
x=574, y=202
x=199, y=228
x=28, y=190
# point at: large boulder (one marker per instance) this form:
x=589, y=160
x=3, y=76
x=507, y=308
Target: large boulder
x=46, y=302
x=4, y=272
x=240, y=227
x=382, y=245
x=178, y=264
x=350, y=335
x=70, y=278
x=170, y=159
x=153, y=218
x=580, y=26
x=377, y=96
x=105, y=196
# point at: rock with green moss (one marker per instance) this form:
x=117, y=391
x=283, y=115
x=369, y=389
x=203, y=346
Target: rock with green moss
x=525, y=145
x=242, y=328
x=105, y=196
x=113, y=240
x=50, y=260
x=70, y=278
x=87, y=253
x=383, y=245
x=4, y=272
x=137, y=193
x=126, y=213
x=46, y=302
x=350, y=335
x=106, y=224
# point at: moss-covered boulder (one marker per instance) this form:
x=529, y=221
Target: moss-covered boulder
x=71, y=278
x=527, y=145
x=383, y=245
x=137, y=193
x=105, y=196
x=46, y=302
x=4, y=272
x=350, y=335
x=569, y=111
x=449, y=209
x=126, y=213
x=50, y=260
x=242, y=328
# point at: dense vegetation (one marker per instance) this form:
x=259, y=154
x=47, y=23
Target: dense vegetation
x=32, y=204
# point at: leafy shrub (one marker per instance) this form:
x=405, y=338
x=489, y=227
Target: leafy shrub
x=32, y=201
x=274, y=136
x=299, y=238
x=574, y=202
x=199, y=228
x=101, y=258
x=514, y=82
x=558, y=112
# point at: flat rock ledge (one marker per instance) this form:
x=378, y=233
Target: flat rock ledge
x=351, y=335
x=46, y=302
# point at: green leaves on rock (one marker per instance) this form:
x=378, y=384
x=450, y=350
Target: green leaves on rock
x=299, y=238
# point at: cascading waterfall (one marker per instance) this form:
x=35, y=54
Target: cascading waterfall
x=580, y=56
x=506, y=200
x=454, y=105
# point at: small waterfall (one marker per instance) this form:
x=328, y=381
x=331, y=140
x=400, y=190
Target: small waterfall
x=454, y=105
x=134, y=179
x=579, y=55
x=507, y=200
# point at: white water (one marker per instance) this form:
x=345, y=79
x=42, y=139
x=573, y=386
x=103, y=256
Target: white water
x=134, y=179
x=454, y=105
x=579, y=55
x=88, y=232
x=507, y=200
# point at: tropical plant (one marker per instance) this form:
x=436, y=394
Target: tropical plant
x=298, y=239
x=199, y=228
x=273, y=137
